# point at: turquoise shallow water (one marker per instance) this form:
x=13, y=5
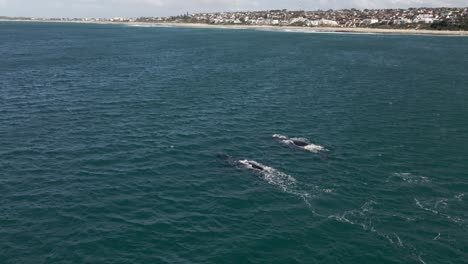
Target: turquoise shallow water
x=109, y=137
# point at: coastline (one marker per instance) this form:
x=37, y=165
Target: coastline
x=268, y=27
x=320, y=29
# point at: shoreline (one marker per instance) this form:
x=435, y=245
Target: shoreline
x=320, y=29
x=268, y=27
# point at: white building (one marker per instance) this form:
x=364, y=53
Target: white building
x=426, y=18
x=323, y=22
x=370, y=21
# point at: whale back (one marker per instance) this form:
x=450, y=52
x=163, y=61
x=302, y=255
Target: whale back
x=300, y=143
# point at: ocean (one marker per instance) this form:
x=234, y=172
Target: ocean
x=123, y=144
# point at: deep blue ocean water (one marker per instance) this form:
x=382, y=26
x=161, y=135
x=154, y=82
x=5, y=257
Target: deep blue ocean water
x=110, y=137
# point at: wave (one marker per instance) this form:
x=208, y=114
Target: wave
x=148, y=25
x=313, y=31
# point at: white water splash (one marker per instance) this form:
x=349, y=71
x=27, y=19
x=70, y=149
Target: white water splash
x=314, y=148
x=279, y=136
x=272, y=176
x=281, y=180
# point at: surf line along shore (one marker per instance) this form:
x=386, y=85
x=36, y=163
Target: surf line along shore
x=266, y=27
x=317, y=29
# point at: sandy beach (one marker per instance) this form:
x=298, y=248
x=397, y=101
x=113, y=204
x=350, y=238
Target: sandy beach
x=320, y=29
x=278, y=28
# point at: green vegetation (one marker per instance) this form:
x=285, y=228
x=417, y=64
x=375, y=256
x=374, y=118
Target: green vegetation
x=448, y=25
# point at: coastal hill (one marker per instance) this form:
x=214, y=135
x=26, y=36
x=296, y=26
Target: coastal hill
x=413, y=18
x=454, y=19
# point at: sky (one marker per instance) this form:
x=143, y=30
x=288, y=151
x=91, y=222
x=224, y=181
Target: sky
x=138, y=8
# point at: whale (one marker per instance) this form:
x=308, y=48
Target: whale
x=253, y=165
x=242, y=163
x=301, y=143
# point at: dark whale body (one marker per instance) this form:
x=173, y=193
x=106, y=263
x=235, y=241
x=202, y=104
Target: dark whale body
x=255, y=166
x=233, y=162
x=300, y=143
x=252, y=165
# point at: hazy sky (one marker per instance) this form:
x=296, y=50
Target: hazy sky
x=130, y=8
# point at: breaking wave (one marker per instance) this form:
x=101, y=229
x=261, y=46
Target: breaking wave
x=149, y=25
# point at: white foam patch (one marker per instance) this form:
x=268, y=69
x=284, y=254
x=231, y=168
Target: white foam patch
x=313, y=31
x=459, y=197
x=148, y=25
x=421, y=260
x=363, y=217
x=419, y=204
x=349, y=216
x=400, y=243
x=279, y=136
x=284, y=182
x=442, y=203
x=411, y=178
x=272, y=176
x=314, y=148
x=454, y=219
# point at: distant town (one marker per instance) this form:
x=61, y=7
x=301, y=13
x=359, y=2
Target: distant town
x=412, y=18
